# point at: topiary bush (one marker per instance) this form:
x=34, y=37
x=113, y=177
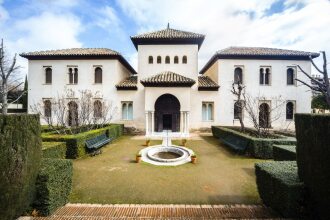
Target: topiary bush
x=53, y=185
x=313, y=153
x=279, y=187
x=54, y=150
x=20, y=156
x=284, y=152
x=256, y=147
x=75, y=144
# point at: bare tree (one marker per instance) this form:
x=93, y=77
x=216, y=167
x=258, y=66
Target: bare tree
x=9, y=79
x=68, y=114
x=319, y=86
x=263, y=112
x=239, y=92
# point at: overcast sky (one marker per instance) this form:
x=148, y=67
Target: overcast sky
x=30, y=25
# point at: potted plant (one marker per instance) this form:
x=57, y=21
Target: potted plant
x=148, y=142
x=193, y=158
x=184, y=142
x=138, y=158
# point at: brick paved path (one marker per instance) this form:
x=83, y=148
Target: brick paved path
x=107, y=212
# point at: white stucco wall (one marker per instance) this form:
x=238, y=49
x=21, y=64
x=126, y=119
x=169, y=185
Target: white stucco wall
x=189, y=70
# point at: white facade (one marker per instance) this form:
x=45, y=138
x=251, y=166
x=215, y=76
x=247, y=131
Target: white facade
x=190, y=98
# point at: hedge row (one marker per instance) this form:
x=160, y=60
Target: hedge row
x=53, y=185
x=20, y=156
x=284, y=152
x=75, y=144
x=54, y=150
x=313, y=158
x=279, y=187
x=256, y=147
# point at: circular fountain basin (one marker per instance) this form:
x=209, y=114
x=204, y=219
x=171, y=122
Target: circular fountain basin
x=166, y=156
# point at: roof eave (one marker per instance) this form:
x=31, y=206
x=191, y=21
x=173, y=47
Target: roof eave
x=171, y=84
x=167, y=41
x=203, y=88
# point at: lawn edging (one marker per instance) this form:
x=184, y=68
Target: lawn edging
x=256, y=147
x=75, y=144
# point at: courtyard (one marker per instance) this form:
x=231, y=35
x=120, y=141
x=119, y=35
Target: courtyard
x=113, y=177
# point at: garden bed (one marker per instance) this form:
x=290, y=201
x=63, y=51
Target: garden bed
x=75, y=143
x=247, y=144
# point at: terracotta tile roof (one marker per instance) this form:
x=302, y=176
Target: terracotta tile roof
x=168, y=33
x=167, y=79
x=130, y=83
x=264, y=51
x=258, y=53
x=168, y=36
x=206, y=83
x=78, y=53
x=72, y=52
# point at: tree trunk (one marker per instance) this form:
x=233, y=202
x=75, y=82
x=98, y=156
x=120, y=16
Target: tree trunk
x=4, y=98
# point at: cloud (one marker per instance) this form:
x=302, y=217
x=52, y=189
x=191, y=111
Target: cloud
x=300, y=25
x=42, y=32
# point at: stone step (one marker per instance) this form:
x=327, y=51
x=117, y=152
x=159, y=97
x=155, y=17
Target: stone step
x=138, y=211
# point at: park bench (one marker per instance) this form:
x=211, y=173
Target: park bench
x=234, y=142
x=93, y=144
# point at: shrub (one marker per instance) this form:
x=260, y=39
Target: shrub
x=279, y=186
x=54, y=150
x=256, y=147
x=53, y=185
x=284, y=152
x=19, y=162
x=313, y=153
x=75, y=144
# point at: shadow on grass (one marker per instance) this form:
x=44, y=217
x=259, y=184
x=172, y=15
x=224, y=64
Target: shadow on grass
x=249, y=171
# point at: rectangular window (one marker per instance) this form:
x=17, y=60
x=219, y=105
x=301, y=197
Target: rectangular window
x=127, y=110
x=207, y=111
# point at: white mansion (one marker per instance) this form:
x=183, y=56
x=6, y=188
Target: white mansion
x=167, y=92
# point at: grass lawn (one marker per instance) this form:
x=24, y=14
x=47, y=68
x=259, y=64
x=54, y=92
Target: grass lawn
x=219, y=177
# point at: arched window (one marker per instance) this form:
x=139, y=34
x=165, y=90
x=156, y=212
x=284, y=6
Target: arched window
x=261, y=76
x=167, y=59
x=264, y=76
x=289, y=110
x=159, y=59
x=47, y=108
x=290, y=76
x=72, y=113
x=176, y=59
x=98, y=75
x=184, y=59
x=48, y=72
x=70, y=76
x=75, y=76
x=238, y=75
x=267, y=76
x=150, y=60
x=127, y=110
x=97, y=109
x=264, y=115
x=238, y=110
x=207, y=111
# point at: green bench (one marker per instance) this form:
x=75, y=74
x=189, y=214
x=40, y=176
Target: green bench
x=235, y=142
x=97, y=142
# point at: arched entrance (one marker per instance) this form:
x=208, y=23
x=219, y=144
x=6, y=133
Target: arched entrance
x=264, y=115
x=167, y=113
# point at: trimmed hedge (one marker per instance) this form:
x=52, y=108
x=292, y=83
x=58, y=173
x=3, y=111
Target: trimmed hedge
x=279, y=187
x=20, y=156
x=53, y=185
x=54, y=150
x=75, y=144
x=256, y=147
x=313, y=158
x=284, y=152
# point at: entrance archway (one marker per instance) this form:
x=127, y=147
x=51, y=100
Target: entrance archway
x=264, y=115
x=167, y=113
